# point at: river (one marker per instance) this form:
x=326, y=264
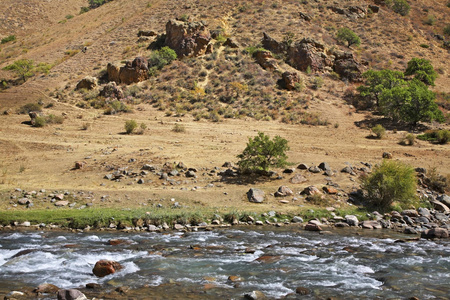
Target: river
x=175, y=265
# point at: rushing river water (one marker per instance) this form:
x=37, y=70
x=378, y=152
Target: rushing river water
x=197, y=265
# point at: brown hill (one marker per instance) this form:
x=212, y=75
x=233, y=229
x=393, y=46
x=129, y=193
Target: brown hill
x=197, y=92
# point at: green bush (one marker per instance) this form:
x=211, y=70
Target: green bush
x=346, y=35
x=390, y=182
x=430, y=20
x=379, y=131
x=443, y=136
x=422, y=70
x=84, y=9
x=9, y=38
x=261, y=153
x=408, y=139
x=446, y=29
x=130, y=126
x=317, y=82
x=179, y=128
x=39, y=122
x=162, y=57
x=22, y=67
x=399, y=6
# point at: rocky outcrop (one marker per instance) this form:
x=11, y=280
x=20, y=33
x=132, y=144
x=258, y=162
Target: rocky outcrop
x=231, y=42
x=273, y=45
x=352, y=12
x=187, y=38
x=290, y=80
x=346, y=66
x=111, y=90
x=308, y=53
x=87, y=82
x=266, y=60
x=133, y=72
x=103, y=268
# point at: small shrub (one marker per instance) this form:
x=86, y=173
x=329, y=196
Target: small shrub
x=68, y=17
x=430, y=20
x=130, y=126
x=400, y=6
x=52, y=119
x=251, y=50
x=9, y=38
x=179, y=128
x=85, y=126
x=424, y=46
x=446, y=29
x=436, y=181
x=379, y=131
x=408, y=139
x=39, y=122
x=317, y=82
x=443, y=136
x=162, y=57
x=390, y=182
x=27, y=108
x=142, y=128
x=84, y=9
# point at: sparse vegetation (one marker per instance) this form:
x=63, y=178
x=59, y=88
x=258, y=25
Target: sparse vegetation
x=262, y=153
x=179, y=128
x=390, y=182
x=23, y=68
x=409, y=139
x=27, y=108
x=399, y=6
x=379, y=131
x=9, y=38
x=130, y=126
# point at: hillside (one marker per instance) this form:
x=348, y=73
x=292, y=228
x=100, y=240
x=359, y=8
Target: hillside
x=220, y=99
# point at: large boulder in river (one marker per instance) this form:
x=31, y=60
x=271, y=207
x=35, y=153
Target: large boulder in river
x=187, y=38
x=71, y=294
x=106, y=267
x=255, y=195
x=46, y=288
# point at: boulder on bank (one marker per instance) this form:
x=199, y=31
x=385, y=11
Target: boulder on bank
x=255, y=195
x=104, y=267
x=46, y=288
x=87, y=82
x=71, y=294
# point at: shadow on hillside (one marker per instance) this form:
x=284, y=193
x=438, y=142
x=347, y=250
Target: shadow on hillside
x=245, y=179
x=389, y=124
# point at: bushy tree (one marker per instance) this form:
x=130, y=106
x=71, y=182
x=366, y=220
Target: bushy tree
x=261, y=153
x=347, y=35
x=422, y=70
x=378, y=81
x=390, y=182
x=22, y=67
x=399, y=6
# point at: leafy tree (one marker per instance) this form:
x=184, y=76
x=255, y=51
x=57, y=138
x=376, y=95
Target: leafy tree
x=261, y=153
x=377, y=81
x=390, y=182
x=162, y=57
x=346, y=35
x=420, y=105
x=422, y=70
x=22, y=67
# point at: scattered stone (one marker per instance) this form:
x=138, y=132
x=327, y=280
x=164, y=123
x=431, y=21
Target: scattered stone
x=297, y=219
x=314, y=169
x=445, y=199
x=79, y=164
x=439, y=206
x=311, y=190
x=112, y=90
x=141, y=181
x=410, y=213
x=259, y=223
x=409, y=230
x=348, y=170
x=178, y=227
x=387, y=155
x=255, y=195
x=302, y=167
x=324, y=166
x=231, y=42
x=233, y=278
x=115, y=242
x=284, y=191
x=371, y=224
x=298, y=179
x=330, y=190
x=61, y=203
x=191, y=174
x=288, y=171
x=146, y=33
x=313, y=227
x=70, y=294
x=103, y=268
x=351, y=220
x=58, y=196
x=24, y=201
